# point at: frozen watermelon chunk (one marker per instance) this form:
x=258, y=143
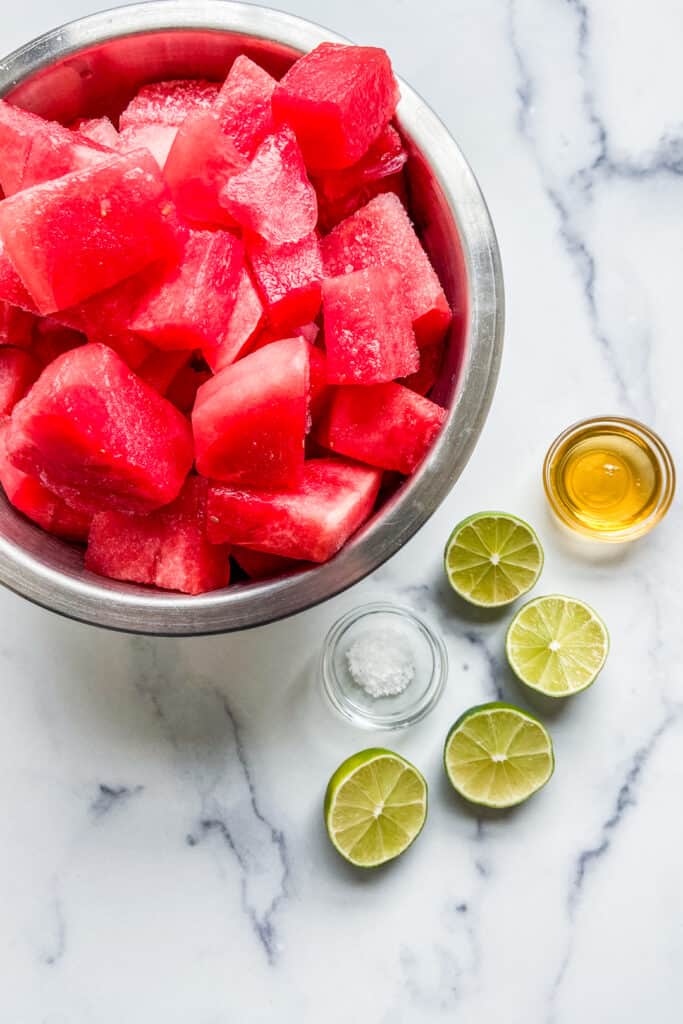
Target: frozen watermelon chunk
x=385, y=425
x=244, y=105
x=338, y=99
x=260, y=566
x=157, y=138
x=426, y=376
x=273, y=196
x=168, y=102
x=16, y=326
x=82, y=233
x=100, y=130
x=289, y=278
x=185, y=385
x=18, y=370
x=250, y=420
x=310, y=524
x=200, y=163
x=193, y=302
x=51, y=339
x=167, y=548
x=160, y=369
x=369, y=336
x=12, y=289
x=245, y=321
x=33, y=150
x=99, y=437
x=381, y=233
x=29, y=497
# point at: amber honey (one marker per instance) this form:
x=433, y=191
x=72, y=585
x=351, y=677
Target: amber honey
x=609, y=478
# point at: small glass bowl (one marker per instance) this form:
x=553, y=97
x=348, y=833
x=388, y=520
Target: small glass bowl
x=651, y=442
x=391, y=712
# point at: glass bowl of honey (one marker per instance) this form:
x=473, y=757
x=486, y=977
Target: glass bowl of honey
x=609, y=478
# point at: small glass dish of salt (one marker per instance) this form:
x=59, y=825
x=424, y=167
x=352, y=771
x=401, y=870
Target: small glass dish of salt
x=383, y=667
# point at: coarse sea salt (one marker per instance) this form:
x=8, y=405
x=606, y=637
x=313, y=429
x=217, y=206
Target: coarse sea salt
x=381, y=662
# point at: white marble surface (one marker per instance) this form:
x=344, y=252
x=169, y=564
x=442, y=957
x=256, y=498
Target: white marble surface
x=162, y=855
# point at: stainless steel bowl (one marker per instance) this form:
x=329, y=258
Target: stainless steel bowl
x=93, y=66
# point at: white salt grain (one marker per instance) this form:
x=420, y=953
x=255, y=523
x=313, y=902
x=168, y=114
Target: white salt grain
x=381, y=663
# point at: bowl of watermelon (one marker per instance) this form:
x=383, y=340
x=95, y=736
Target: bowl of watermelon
x=251, y=316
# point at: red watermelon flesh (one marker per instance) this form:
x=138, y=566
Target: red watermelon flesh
x=157, y=138
x=320, y=389
x=51, y=339
x=16, y=326
x=100, y=130
x=33, y=150
x=369, y=336
x=12, y=289
x=244, y=105
x=250, y=420
x=431, y=361
x=167, y=548
x=168, y=102
x=18, y=370
x=310, y=524
x=200, y=163
x=338, y=99
x=193, y=302
x=29, y=496
x=260, y=566
x=386, y=157
x=268, y=335
x=288, y=277
x=160, y=368
x=98, y=436
x=73, y=237
x=381, y=233
x=185, y=385
x=386, y=425
x=273, y=197
x=245, y=321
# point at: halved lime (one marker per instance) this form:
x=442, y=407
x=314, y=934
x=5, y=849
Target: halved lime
x=375, y=807
x=492, y=558
x=557, y=645
x=498, y=755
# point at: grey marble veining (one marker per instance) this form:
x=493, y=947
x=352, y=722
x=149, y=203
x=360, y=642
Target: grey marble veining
x=163, y=856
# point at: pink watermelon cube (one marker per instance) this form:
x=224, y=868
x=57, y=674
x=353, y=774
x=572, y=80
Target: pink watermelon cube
x=289, y=278
x=310, y=524
x=33, y=150
x=157, y=138
x=200, y=163
x=386, y=425
x=29, y=497
x=431, y=361
x=273, y=197
x=99, y=437
x=369, y=335
x=167, y=548
x=16, y=326
x=18, y=370
x=245, y=321
x=99, y=130
x=193, y=302
x=244, y=105
x=260, y=566
x=381, y=233
x=338, y=99
x=250, y=420
x=168, y=102
x=82, y=233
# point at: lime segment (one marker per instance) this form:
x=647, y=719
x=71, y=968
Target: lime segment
x=375, y=807
x=557, y=645
x=497, y=755
x=492, y=558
